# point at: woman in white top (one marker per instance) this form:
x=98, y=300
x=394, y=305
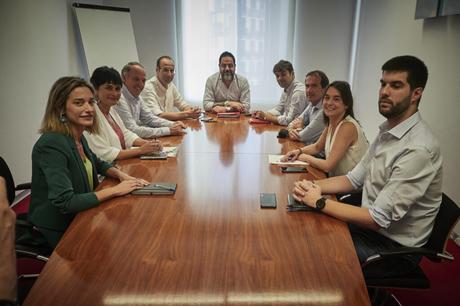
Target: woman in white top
x=114, y=140
x=343, y=139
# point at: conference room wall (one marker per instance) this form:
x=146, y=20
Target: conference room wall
x=323, y=35
x=387, y=29
x=154, y=30
x=38, y=45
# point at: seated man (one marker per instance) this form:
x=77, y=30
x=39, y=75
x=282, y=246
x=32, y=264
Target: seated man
x=292, y=102
x=161, y=96
x=310, y=124
x=135, y=115
x=400, y=175
x=225, y=90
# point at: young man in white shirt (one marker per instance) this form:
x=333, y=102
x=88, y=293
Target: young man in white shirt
x=400, y=175
x=161, y=96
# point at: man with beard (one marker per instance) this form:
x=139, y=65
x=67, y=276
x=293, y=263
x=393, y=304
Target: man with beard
x=225, y=90
x=400, y=175
x=161, y=96
x=293, y=100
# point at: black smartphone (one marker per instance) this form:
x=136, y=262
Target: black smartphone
x=294, y=205
x=267, y=200
x=293, y=170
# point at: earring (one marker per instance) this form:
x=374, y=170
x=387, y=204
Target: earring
x=63, y=118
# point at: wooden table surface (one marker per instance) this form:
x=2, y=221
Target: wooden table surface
x=210, y=243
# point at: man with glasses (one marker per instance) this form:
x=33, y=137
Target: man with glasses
x=225, y=90
x=293, y=100
x=161, y=96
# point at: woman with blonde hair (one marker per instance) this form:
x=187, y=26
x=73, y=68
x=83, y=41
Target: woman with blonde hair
x=64, y=169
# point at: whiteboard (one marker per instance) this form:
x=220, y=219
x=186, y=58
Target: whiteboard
x=107, y=36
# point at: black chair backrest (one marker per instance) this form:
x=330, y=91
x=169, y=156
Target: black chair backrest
x=446, y=219
x=6, y=174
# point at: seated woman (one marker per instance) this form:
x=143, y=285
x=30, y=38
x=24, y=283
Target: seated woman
x=114, y=140
x=64, y=169
x=343, y=139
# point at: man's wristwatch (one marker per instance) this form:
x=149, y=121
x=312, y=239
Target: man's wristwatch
x=226, y=104
x=320, y=203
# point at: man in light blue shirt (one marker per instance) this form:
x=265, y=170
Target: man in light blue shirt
x=136, y=116
x=310, y=124
x=400, y=175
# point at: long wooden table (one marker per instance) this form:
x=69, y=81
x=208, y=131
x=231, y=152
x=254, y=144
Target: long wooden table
x=210, y=243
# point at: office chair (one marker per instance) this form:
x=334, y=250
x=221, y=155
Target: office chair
x=30, y=257
x=434, y=250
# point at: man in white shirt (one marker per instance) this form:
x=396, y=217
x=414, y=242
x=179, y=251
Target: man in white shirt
x=400, y=175
x=310, y=124
x=161, y=96
x=225, y=90
x=293, y=100
x=135, y=115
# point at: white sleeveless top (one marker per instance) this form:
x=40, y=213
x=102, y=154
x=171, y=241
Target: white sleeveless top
x=354, y=153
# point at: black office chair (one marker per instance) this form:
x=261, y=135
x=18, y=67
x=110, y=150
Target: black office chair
x=434, y=250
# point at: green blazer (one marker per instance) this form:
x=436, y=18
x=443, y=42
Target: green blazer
x=60, y=187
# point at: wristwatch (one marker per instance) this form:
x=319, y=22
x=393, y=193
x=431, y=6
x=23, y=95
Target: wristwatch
x=320, y=203
x=226, y=104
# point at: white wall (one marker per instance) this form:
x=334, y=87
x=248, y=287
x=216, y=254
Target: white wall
x=154, y=29
x=322, y=37
x=387, y=29
x=37, y=47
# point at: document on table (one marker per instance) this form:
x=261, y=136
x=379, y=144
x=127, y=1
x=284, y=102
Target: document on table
x=276, y=160
x=170, y=151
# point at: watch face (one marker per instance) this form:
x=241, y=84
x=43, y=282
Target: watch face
x=320, y=203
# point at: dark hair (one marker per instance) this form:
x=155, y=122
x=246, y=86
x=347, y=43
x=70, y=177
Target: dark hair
x=321, y=75
x=345, y=93
x=417, y=72
x=105, y=75
x=162, y=57
x=127, y=68
x=56, y=106
x=227, y=54
x=283, y=65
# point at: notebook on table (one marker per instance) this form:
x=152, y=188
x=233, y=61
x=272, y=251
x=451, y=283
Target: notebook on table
x=159, y=188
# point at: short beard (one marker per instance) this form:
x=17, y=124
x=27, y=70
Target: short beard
x=396, y=110
x=227, y=76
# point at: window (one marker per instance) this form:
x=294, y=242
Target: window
x=255, y=31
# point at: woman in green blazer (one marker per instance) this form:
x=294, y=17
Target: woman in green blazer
x=64, y=169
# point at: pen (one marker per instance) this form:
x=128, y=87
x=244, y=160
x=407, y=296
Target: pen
x=164, y=187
